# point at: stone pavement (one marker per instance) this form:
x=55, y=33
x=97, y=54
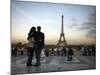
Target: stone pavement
x=52, y=64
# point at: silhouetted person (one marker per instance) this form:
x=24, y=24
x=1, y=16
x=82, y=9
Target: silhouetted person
x=22, y=51
x=85, y=51
x=70, y=54
x=15, y=51
x=46, y=52
x=64, y=51
x=52, y=52
x=82, y=50
x=58, y=52
x=93, y=51
x=39, y=45
x=12, y=51
x=31, y=45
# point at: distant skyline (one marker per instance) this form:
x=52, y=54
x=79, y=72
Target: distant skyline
x=79, y=21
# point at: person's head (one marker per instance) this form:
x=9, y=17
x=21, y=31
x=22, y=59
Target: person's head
x=33, y=29
x=38, y=28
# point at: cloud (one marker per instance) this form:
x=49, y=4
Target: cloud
x=73, y=24
x=90, y=26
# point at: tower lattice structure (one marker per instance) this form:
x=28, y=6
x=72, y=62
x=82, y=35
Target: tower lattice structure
x=62, y=40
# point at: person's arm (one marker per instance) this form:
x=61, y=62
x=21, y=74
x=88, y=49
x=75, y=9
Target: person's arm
x=28, y=37
x=43, y=39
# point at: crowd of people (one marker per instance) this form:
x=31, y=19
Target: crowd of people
x=59, y=52
x=64, y=51
x=87, y=51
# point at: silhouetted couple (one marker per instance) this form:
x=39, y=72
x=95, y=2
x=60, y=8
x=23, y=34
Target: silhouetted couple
x=36, y=44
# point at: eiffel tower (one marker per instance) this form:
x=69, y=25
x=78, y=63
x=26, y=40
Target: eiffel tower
x=62, y=40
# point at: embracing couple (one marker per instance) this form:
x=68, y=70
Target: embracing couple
x=36, y=44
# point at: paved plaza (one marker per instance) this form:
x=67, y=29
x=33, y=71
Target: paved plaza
x=52, y=64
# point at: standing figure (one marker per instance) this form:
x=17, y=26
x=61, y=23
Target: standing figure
x=65, y=51
x=90, y=51
x=70, y=54
x=52, y=52
x=31, y=45
x=82, y=51
x=15, y=51
x=22, y=51
x=58, y=52
x=46, y=51
x=39, y=45
x=12, y=51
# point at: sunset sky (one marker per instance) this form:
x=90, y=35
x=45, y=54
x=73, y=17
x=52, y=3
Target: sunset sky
x=79, y=21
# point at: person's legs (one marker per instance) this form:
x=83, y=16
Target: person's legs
x=21, y=52
x=38, y=54
x=30, y=57
x=47, y=54
x=65, y=53
x=68, y=57
x=15, y=52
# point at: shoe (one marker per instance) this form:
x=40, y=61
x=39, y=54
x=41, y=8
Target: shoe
x=37, y=64
x=29, y=65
